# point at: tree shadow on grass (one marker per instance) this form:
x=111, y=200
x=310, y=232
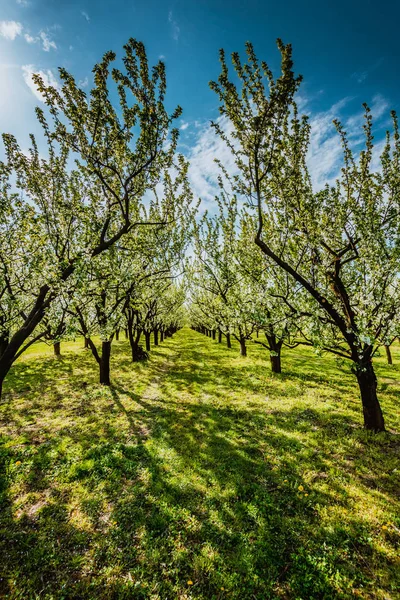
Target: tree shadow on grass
x=136, y=494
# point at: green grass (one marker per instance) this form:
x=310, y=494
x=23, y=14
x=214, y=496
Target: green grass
x=196, y=475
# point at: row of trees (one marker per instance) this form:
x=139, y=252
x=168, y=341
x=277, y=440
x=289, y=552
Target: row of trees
x=315, y=267
x=93, y=233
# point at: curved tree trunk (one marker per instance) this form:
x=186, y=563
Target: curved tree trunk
x=243, y=349
x=86, y=341
x=373, y=417
x=57, y=349
x=388, y=355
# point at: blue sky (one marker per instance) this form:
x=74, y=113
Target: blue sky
x=348, y=53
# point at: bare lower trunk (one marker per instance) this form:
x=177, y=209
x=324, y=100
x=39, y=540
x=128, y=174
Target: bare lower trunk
x=243, y=349
x=156, y=337
x=276, y=363
x=105, y=363
x=117, y=334
x=388, y=355
x=161, y=335
x=147, y=338
x=86, y=342
x=373, y=417
x=228, y=340
x=213, y=334
x=57, y=349
x=219, y=336
x=275, y=347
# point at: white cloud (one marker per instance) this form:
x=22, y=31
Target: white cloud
x=203, y=170
x=175, y=29
x=30, y=39
x=23, y=3
x=161, y=57
x=184, y=126
x=10, y=29
x=85, y=15
x=47, y=76
x=324, y=157
x=47, y=43
x=83, y=82
x=325, y=153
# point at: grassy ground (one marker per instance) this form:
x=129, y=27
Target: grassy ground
x=196, y=475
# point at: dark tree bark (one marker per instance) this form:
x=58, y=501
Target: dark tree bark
x=388, y=355
x=126, y=333
x=228, y=340
x=276, y=363
x=219, y=336
x=105, y=363
x=373, y=417
x=275, y=347
x=147, y=338
x=4, y=339
x=156, y=337
x=57, y=349
x=117, y=334
x=161, y=335
x=243, y=348
x=213, y=334
x=86, y=342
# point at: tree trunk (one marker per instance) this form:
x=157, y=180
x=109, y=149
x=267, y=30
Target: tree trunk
x=86, y=343
x=276, y=362
x=105, y=363
x=4, y=339
x=162, y=335
x=126, y=333
x=57, y=349
x=117, y=334
x=219, y=336
x=228, y=340
x=137, y=351
x=388, y=355
x=275, y=347
x=373, y=417
x=156, y=337
x=243, y=349
x=147, y=338
x=213, y=334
